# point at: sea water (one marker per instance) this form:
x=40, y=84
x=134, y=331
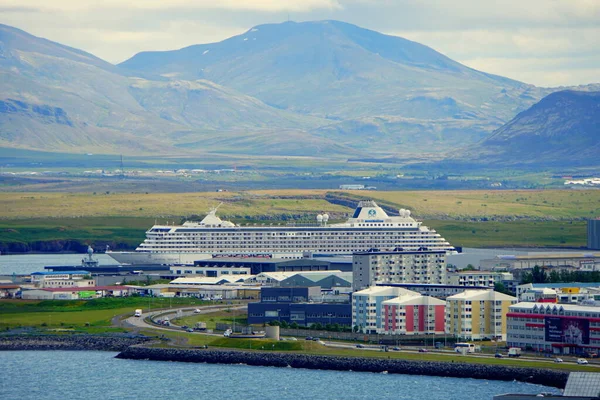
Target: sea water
x=98, y=375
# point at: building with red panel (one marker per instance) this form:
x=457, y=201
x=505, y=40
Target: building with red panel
x=394, y=310
x=555, y=328
x=413, y=314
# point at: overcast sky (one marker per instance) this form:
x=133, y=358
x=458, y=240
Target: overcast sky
x=543, y=42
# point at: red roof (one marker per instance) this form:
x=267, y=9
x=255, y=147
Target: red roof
x=85, y=288
x=10, y=286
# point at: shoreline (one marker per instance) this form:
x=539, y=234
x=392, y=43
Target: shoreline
x=544, y=377
x=136, y=348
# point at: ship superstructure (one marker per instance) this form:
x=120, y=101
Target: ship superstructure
x=370, y=227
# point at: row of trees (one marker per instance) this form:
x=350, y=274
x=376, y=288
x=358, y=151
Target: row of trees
x=539, y=275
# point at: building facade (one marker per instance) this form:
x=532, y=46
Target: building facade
x=555, y=328
x=478, y=314
x=413, y=314
x=296, y=305
x=563, y=293
x=437, y=291
x=586, y=262
x=593, y=234
x=382, y=267
x=394, y=310
x=62, y=279
x=478, y=278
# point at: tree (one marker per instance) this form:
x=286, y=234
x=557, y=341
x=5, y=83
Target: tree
x=538, y=275
x=501, y=288
x=470, y=267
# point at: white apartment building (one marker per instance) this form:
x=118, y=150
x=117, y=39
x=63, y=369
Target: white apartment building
x=383, y=267
x=478, y=278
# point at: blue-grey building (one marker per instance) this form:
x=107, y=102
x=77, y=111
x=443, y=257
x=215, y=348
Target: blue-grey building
x=593, y=234
x=295, y=304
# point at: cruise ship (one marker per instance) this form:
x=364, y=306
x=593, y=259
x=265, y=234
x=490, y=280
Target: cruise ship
x=370, y=227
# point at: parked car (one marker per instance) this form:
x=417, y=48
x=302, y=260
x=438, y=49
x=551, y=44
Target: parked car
x=309, y=338
x=316, y=339
x=190, y=330
x=582, y=361
x=360, y=346
x=498, y=355
x=184, y=327
x=423, y=351
x=396, y=348
x=197, y=311
x=558, y=360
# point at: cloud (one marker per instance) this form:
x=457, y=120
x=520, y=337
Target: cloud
x=259, y=5
x=514, y=36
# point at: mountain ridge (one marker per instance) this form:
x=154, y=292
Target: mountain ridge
x=319, y=87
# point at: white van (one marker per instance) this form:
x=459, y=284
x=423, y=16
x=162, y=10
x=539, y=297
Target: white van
x=464, y=348
x=138, y=312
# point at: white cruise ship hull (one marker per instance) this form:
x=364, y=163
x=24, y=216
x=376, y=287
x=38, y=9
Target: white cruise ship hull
x=369, y=229
x=136, y=257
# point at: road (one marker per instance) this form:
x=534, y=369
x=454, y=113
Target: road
x=141, y=322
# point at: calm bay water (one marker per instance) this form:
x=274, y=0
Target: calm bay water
x=22, y=264
x=98, y=375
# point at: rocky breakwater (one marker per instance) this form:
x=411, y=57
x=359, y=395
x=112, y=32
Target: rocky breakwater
x=432, y=368
x=69, y=342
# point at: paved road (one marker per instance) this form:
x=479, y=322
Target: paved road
x=140, y=322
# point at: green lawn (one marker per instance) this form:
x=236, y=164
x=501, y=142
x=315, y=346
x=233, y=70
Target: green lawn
x=211, y=319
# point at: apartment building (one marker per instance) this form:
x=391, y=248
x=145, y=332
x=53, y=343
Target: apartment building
x=478, y=314
x=394, y=310
x=382, y=267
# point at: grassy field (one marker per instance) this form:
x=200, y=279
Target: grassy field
x=211, y=319
x=466, y=218
x=77, y=314
x=552, y=204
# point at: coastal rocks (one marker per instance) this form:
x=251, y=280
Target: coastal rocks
x=459, y=370
x=70, y=342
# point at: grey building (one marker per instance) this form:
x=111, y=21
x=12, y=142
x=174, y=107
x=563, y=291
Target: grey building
x=296, y=304
x=593, y=234
x=382, y=267
x=255, y=265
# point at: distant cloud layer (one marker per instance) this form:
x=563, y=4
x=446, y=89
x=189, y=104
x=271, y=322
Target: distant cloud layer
x=543, y=42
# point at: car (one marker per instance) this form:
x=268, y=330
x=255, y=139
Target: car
x=316, y=339
x=498, y=355
x=360, y=346
x=396, y=348
x=423, y=350
x=190, y=330
x=558, y=360
x=197, y=311
x=582, y=361
x=309, y=338
x=184, y=327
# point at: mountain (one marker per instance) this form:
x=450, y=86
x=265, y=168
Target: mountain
x=562, y=129
x=351, y=76
x=57, y=98
x=312, y=88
